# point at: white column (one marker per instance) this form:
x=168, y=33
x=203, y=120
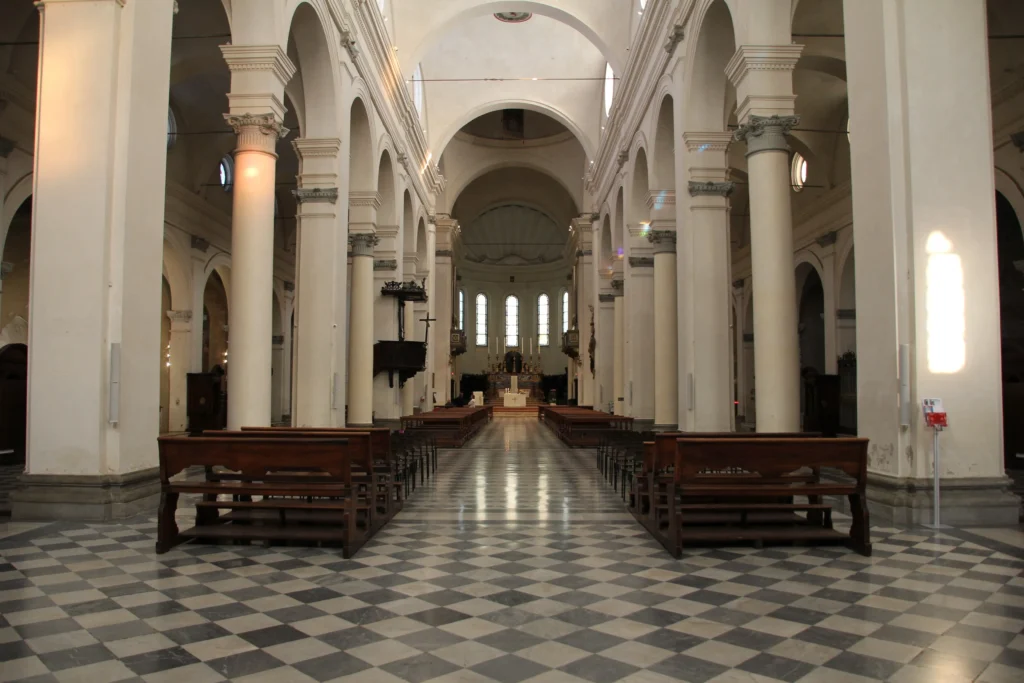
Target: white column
x=318, y=226
x=441, y=295
x=180, y=349
x=776, y=342
x=587, y=297
x=666, y=330
x=926, y=259
x=252, y=268
x=360, y=351
x=433, y=380
x=638, y=321
x=408, y=391
x=618, y=344
x=604, y=355
x=97, y=248
x=287, y=409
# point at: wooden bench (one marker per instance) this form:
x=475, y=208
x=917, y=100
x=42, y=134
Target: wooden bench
x=305, y=485
x=452, y=427
x=582, y=427
x=729, y=490
x=392, y=469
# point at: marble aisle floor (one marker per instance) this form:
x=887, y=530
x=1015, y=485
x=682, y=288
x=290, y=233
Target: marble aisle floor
x=515, y=563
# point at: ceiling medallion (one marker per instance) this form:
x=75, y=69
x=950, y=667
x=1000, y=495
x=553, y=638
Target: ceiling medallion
x=513, y=17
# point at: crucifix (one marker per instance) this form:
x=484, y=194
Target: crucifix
x=427, y=320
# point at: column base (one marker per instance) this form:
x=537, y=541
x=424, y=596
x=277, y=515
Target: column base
x=86, y=498
x=391, y=423
x=666, y=428
x=354, y=425
x=904, y=502
x=644, y=425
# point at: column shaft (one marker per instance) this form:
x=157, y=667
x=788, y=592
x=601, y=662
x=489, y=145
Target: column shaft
x=360, y=352
x=408, y=391
x=618, y=365
x=97, y=245
x=252, y=269
x=181, y=339
x=666, y=336
x=776, y=342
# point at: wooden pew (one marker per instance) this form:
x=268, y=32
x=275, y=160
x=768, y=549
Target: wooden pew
x=452, y=427
x=373, y=478
x=582, y=427
x=649, y=490
x=390, y=467
x=758, y=477
x=306, y=488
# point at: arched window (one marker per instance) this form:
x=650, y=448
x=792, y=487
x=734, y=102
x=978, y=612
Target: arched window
x=462, y=310
x=172, y=128
x=417, y=89
x=512, y=320
x=227, y=172
x=643, y=4
x=481, y=320
x=543, y=320
x=565, y=311
x=609, y=88
x=799, y=172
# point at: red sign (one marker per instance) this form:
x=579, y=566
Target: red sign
x=936, y=419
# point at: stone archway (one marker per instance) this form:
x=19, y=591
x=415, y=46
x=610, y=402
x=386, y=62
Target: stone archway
x=1011, y=313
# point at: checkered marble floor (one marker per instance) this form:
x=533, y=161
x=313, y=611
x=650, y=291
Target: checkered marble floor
x=494, y=572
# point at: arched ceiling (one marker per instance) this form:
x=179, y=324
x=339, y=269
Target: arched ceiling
x=513, y=217
x=554, y=62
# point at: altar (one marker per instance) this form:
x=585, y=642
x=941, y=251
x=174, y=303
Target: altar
x=500, y=384
x=515, y=400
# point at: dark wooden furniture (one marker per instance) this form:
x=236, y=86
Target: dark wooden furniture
x=304, y=486
x=204, y=404
x=582, y=427
x=451, y=427
x=730, y=490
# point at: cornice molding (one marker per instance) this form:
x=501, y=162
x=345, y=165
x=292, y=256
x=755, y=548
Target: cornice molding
x=707, y=141
x=761, y=58
x=606, y=298
x=641, y=261
x=308, y=148
x=259, y=58
x=385, y=264
x=675, y=36
x=664, y=241
x=368, y=198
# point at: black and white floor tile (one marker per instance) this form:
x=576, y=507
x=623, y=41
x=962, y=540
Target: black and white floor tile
x=516, y=563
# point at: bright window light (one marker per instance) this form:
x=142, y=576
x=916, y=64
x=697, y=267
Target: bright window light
x=512, y=320
x=462, y=310
x=799, y=172
x=565, y=312
x=609, y=88
x=417, y=89
x=543, y=320
x=481, y=320
x=227, y=172
x=945, y=307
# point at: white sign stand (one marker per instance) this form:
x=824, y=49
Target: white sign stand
x=935, y=416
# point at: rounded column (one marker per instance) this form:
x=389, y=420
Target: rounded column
x=360, y=345
x=618, y=343
x=666, y=331
x=252, y=268
x=776, y=344
x=408, y=391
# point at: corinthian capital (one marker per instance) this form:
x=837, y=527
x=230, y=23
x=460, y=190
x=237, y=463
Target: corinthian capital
x=766, y=133
x=664, y=241
x=363, y=243
x=256, y=132
x=711, y=189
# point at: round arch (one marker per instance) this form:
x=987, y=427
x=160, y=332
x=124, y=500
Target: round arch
x=804, y=259
x=663, y=175
x=386, y=214
x=316, y=56
x=361, y=157
x=16, y=196
x=706, y=58
x=462, y=183
x=1007, y=186
x=177, y=277
x=638, y=209
x=221, y=263
x=544, y=9
x=531, y=105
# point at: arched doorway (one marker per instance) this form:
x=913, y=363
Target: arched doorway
x=165, y=358
x=215, y=324
x=13, y=404
x=846, y=345
x=811, y=328
x=15, y=255
x=1011, y=312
